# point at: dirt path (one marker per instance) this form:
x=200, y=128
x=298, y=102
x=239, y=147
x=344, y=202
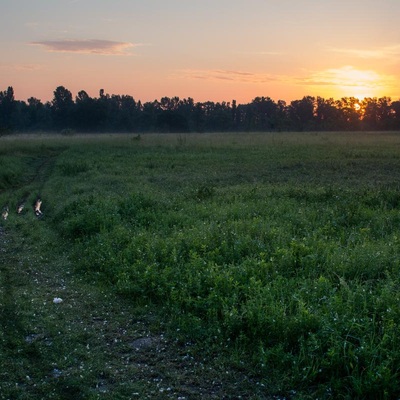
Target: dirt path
x=92, y=344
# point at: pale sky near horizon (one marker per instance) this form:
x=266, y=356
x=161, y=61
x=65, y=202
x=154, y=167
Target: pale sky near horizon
x=215, y=50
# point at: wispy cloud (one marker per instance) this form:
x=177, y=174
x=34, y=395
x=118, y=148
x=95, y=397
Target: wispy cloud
x=21, y=67
x=392, y=51
x=227, y=75
x=32, y=24
x=264, y=53
x=86, y=46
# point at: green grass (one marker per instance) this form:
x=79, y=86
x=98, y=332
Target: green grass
x=276, y=256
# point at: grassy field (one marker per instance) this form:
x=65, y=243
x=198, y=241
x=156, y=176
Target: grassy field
x=257, y=266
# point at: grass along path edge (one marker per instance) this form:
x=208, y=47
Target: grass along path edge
x=93, y=344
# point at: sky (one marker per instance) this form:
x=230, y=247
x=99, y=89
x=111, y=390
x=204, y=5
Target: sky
x=216, y=50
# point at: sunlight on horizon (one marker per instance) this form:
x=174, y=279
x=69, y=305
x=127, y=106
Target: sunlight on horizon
x=353, y=82
x=349, y=81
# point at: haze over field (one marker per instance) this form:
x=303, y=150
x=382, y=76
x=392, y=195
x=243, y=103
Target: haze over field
x=208, y=50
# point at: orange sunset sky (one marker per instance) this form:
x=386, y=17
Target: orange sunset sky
x=215, y=50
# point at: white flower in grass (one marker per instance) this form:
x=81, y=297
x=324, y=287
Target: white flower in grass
x=57, y=300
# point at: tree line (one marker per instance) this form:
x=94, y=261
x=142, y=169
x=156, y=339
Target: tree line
x=122, y=113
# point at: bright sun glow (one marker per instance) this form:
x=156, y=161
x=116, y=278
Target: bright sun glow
x=357, y=107
x=352, y=82
x=357, y=83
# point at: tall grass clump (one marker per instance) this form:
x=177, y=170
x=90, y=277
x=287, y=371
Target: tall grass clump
x=10, y=169
x=279, y=250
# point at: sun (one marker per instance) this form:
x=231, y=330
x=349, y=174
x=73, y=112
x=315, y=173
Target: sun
x=357, y=106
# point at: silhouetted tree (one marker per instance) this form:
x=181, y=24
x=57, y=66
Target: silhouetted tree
x=350, y=116
x=376, y=113
x=128, y=114
x=62, y=108
x=7, y=107
x=170, y=104
x=327, y=115
x=217, y=116
x=301, y=114
x=87, y=114
x=282, y=116
x=148, y=116
x=186, y=108
x=395, y=114
x=264, y=113
x=39, y=115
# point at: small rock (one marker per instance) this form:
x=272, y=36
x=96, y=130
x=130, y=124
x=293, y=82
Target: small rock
x=142, y=343
x=56, y=373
